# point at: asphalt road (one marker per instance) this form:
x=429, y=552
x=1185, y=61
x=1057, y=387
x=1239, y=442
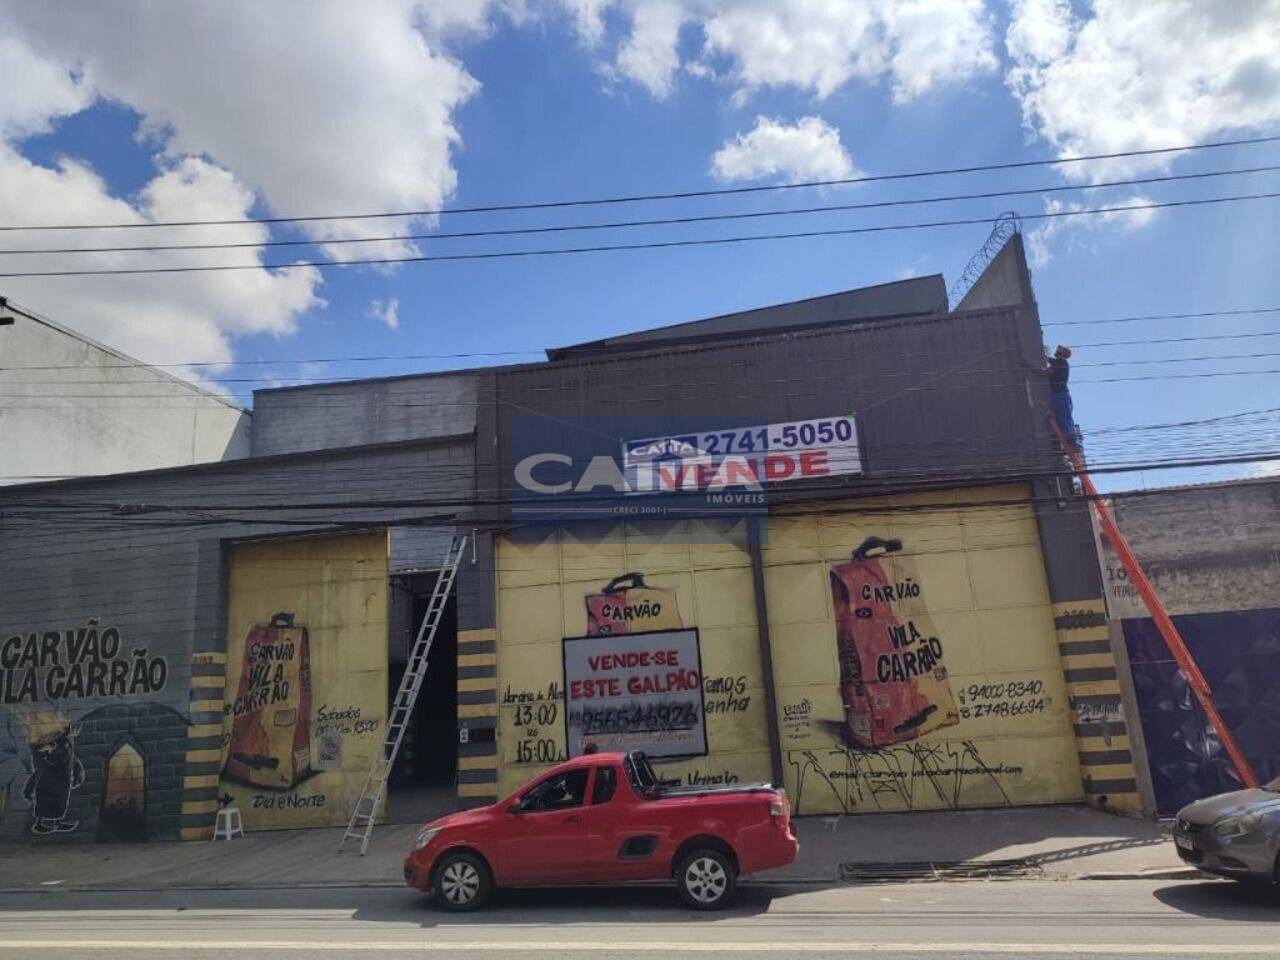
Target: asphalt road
x=1008, y=919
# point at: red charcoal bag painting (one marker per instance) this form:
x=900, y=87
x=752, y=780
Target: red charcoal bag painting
x=893, y=680
x=629, y=605
x=270, y=743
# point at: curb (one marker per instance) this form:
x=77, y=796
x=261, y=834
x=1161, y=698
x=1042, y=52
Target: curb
x=1155, y=873
x=54, y=890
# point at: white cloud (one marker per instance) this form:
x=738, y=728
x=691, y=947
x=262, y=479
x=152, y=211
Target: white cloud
x=35, y=91
x=386, y=311
x=809, y=149
x=1080, y=231
x=588, y=17
x=157, y=318
x=1266, y=468
x=936, y=42
x=328, y=106
x=815, y=45
x=1140, y=74
x=650, y=55
x=295, y=108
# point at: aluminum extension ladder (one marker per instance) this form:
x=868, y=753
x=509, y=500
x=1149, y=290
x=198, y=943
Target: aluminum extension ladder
x=360, y=826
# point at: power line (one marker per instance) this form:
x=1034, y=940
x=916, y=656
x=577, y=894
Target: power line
x=650, y=399
x=625, y=224
x=62, y=382
x=654, y=245
x=126, y=510
x=683, y=195
x=538, y=352
x=1099, y=436
x=144, y=400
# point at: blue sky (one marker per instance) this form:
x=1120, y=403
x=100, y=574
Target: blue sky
x=270, y=109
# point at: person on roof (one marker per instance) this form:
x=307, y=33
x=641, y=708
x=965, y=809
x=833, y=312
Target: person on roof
x=1060, y=396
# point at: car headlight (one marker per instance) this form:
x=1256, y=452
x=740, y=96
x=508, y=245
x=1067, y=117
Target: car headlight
x=1236, y=826
x=425, y=837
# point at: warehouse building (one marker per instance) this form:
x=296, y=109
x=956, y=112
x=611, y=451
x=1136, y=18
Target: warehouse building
x=826, y=543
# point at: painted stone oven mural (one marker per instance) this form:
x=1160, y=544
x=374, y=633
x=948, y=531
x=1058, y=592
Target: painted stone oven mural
x=306, y=686
x=82, y=730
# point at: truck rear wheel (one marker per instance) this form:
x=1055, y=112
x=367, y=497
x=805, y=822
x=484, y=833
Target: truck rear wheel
x=706, y=879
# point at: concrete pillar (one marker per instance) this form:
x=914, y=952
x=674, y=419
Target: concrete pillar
x=1089, y=666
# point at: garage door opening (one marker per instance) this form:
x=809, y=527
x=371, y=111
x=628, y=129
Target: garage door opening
x=422, y=781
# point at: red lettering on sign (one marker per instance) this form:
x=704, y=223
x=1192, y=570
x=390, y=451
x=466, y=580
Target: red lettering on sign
x=739, y=472
x=779, y=466
x=667, y=480
x=813, y=463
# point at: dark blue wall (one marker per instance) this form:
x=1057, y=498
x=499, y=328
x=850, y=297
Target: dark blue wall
x=1239, y=653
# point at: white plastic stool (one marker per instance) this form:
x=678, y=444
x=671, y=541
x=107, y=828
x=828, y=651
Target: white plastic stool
x=228, y=824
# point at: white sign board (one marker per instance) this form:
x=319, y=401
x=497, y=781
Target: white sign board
x=635, y=691
x=743, y=456
x=1122, y=598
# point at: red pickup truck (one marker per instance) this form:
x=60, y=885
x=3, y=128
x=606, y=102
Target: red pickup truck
x=605, y=818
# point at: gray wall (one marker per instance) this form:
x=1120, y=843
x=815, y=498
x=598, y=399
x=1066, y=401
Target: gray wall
x=937, y=400
x=102, y=412
x=335, y=415
x=916, y=296
x=156, y=577
x=1206, y=549
x=1005, y=282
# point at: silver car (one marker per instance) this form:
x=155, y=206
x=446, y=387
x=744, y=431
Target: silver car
x=1234, y=835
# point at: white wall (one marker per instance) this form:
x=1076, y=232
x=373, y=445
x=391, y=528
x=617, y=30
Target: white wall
x=107, y=413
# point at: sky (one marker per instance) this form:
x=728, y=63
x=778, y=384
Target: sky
x=145, y=112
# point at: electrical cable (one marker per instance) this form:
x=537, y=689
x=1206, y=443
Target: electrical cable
x=620, y=247
x=541, y=351
x=684, y=195
x=628, y=224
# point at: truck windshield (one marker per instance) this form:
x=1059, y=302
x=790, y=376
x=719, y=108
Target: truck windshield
x=639, y=772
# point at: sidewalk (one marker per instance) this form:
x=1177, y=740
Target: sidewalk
x=1048, y=842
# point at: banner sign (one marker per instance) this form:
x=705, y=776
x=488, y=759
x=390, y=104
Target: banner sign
x=635, y=691
x=589, y=469
x=742, y=457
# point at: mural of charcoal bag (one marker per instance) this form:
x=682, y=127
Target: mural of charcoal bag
x=913, y=736
x=909, y=672
x=305, y=691
x=87, y=744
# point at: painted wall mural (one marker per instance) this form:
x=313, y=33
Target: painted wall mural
x=306, y=685
x=71, y=762
x=270, y=740
x=893, y=680
x=915, y=658
x=632, y=585
x=914, y=655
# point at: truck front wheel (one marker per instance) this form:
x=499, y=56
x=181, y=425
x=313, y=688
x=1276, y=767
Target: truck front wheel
x=706, y=879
